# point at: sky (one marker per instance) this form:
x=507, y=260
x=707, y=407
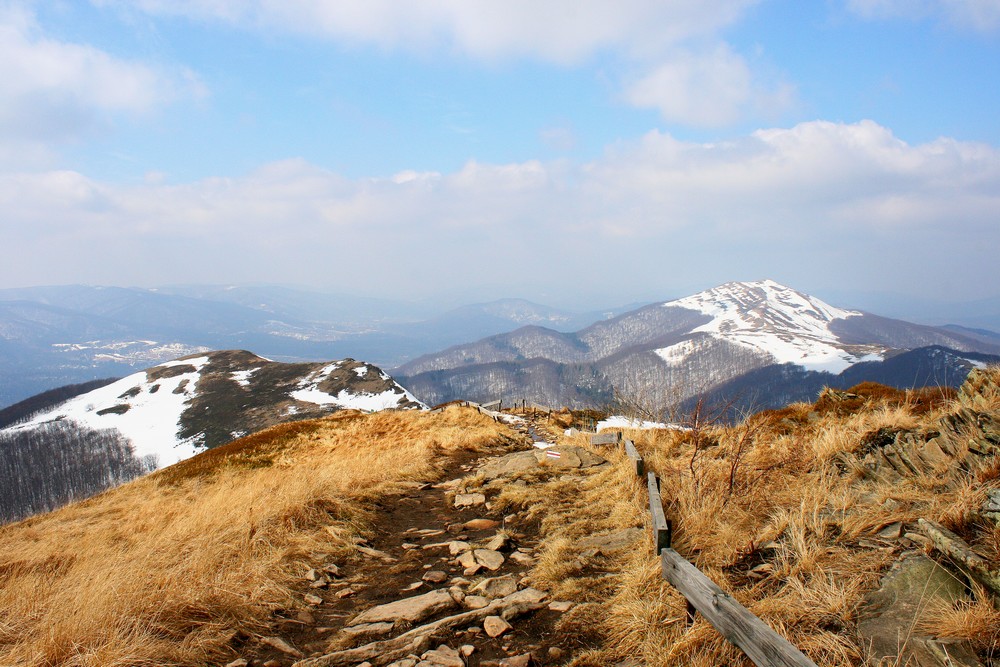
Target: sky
x=573, y=152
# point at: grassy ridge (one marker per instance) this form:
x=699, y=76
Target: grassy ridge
x=178, y=566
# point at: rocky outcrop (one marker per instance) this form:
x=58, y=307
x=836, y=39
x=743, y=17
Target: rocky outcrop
x=889, y=624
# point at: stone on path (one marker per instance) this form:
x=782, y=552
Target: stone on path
x=312, y=599
x=469, y=499
x=495, y=626
x=283, y=646
x=475, y=601
x=481, y=524
x=411, y=610
x=562, y=457
x=491, y=560
x=561, y=605
x=496, y=587
x=445, y=656
x=435, y=577
x=456, y=547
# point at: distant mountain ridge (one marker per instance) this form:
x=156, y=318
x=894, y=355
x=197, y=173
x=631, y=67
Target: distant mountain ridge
x=54, y=336
x=684, y=347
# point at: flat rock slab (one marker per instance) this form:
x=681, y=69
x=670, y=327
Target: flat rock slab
x=411, y=610
x=565, y=456
x=491, y=560
x=893, y=611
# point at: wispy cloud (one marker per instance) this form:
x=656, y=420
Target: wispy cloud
x=981, y=15
x=54, y=91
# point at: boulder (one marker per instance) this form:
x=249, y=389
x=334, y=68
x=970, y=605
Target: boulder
x=891, y=615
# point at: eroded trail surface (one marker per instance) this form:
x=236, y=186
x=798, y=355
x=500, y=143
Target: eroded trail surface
x=443, y=583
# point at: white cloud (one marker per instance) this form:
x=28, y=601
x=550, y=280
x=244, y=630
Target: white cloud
x=558, y=30
x=702, y=86
x=707, y=89
x=983, y=15
x=801, y=201
x=53, y=91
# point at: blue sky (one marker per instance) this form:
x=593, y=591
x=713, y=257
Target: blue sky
x=569, y=152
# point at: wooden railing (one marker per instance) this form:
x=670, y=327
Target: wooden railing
x=760, y=643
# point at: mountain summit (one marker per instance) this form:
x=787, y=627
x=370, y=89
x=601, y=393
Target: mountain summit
x=778, y=342
x=788, y=325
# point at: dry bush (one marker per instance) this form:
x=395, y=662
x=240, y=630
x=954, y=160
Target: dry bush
x=171, y=568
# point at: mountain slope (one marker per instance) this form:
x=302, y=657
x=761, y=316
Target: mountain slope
x=173, y=411
x=677, y=349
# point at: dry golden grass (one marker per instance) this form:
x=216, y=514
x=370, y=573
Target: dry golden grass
x=171, y=568
x=765, y=492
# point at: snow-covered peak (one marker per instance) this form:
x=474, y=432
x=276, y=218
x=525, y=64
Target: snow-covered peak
x=790, y=326
x=760, y=305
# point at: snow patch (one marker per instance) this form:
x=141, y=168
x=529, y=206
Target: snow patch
x=152, y=406
x=620, y=421
x=676, y=354
x=242, y=378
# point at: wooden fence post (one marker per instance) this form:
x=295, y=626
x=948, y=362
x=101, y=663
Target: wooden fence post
x=633, y=454
x=733, y=621
x=661, y=527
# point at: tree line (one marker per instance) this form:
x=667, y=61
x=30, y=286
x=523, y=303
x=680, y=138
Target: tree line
x=46, y=467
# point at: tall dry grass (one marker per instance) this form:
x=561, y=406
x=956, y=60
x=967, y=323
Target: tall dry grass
x=764, y=493
x=179, y=566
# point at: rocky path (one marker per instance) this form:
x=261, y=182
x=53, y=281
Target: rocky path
x=444, y=569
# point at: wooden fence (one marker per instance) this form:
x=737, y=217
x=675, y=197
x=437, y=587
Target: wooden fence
x=760, y=643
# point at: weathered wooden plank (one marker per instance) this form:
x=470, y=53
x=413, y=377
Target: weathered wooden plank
x=661, y=527
x=492, y=405
x=606, y=438
x=633, y=454
x=764, y=646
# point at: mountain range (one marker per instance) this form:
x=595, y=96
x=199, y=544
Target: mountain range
x=53, y=336
x=664, y=355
